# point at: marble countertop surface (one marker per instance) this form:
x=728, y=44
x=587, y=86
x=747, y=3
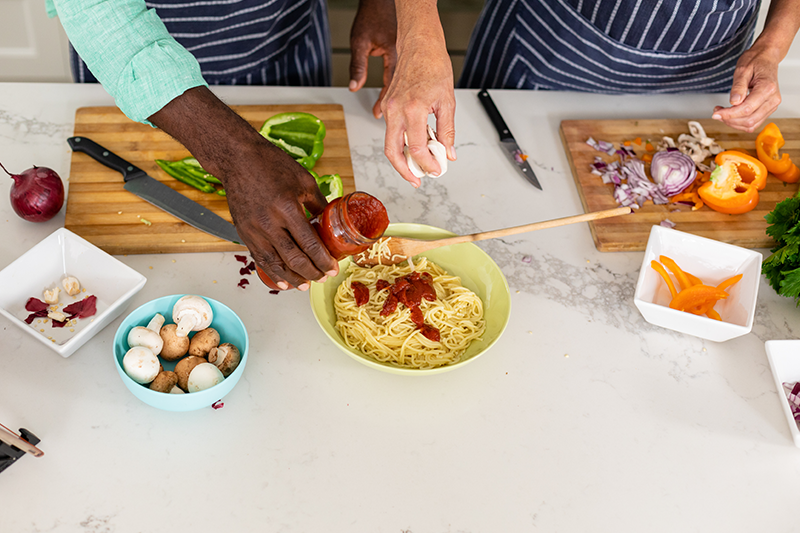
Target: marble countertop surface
x=583, y=417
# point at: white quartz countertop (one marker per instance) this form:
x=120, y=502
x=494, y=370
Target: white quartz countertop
x=583, y=417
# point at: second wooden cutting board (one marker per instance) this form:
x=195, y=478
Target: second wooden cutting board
x=105, y=214
x=630, y=232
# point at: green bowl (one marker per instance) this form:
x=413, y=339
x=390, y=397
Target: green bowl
x=478, y=272
x=225, y=321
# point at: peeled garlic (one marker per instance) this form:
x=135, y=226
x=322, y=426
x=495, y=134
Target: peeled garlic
x=58, y=316
x=71, y=285
x=51, y=295
x=436, y=149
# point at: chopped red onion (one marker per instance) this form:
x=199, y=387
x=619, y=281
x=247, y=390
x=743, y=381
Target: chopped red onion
x=526, y=259
x=243, y=282
x=217, y=405
x=792, y=391
x=601, y=146
x=673, y=172
x=667, y=223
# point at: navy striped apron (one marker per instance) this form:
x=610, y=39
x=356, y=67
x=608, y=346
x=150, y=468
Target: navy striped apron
x=609, y=46
x=247, y=42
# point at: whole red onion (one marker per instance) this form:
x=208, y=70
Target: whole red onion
x=37, y=194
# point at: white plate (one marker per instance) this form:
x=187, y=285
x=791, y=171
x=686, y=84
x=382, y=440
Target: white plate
x=784, y=360
x=711, y=261
x=64, y=253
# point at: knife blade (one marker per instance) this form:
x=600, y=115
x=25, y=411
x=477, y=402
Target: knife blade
x=151, y=190
x=507, y=140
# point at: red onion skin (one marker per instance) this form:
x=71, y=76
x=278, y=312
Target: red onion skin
x=37, y=194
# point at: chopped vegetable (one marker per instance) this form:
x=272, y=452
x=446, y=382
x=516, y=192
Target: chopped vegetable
x=782, y=267
x=180, y=173
x=768, y=143
x=673, y=172
x=300, y=135
x=726, y=192
x=750, y=169
x=694, y=297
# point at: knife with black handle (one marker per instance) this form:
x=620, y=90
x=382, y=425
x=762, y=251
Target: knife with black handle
x=507, y=140
x=150, y=189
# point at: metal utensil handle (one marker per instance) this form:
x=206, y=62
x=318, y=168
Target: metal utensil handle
x=105, y=156
x=495, y=116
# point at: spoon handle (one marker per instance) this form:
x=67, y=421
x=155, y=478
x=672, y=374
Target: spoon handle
x=586, y=217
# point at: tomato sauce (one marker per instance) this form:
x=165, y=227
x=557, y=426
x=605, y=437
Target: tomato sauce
x=410, y=290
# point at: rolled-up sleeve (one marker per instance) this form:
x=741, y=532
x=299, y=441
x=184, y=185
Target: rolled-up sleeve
x=129, y=50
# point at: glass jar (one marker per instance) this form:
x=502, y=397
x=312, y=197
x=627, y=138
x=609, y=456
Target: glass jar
x=348, y=226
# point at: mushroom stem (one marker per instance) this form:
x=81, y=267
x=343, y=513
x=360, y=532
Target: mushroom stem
x=156, y=322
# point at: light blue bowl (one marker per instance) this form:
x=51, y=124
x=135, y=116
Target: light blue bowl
x=226, y=322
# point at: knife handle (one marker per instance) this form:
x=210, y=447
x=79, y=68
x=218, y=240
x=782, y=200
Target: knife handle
x=494, y=115
x=105, y=156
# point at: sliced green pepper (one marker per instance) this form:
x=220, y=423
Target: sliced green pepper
x=300, y=135
x=185, y=177
x=329, y=185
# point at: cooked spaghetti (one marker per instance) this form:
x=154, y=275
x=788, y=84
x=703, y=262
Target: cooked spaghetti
x=456, y=312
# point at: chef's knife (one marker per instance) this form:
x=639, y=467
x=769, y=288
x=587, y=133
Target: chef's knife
x=158, y=194
x=507, y=140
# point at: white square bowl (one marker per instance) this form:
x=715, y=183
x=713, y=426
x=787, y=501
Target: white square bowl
x=113, y=283
x=784, y=360
x=711, y=261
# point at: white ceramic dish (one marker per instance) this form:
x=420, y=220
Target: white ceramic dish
x=784, y=360
x=713, y=262
x=63, y=252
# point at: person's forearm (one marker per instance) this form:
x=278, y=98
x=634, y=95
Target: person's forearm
x=418, y=20
x=780, y=27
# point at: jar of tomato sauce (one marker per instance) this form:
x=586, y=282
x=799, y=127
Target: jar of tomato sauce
x=348, y=226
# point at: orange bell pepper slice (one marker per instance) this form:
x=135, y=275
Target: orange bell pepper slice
x=680, y=275
x=713, y=314
x=729, y=282
x=660, y=269
x=697, y=296
x=790, y=176
x=725, y=192
x=768, y=142
x=750, y=169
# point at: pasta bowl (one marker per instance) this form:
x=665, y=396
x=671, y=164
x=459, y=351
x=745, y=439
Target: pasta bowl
x=478, y=273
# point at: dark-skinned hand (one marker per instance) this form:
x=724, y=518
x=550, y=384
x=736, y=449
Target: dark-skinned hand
x=266, y=188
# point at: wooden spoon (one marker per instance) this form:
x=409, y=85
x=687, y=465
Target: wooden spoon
x=401, y=248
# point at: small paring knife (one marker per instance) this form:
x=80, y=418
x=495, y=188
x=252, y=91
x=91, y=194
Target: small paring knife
x=507, y=141
x=150, y=189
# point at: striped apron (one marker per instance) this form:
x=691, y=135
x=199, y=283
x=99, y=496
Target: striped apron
x=609, y=46
x=247, y=42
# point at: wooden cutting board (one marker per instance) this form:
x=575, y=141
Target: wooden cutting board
x=630, y=232
x=105, y=214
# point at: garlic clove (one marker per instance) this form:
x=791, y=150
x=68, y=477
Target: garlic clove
x=71, y=285
x=436, y=149
x=51, y=295
x=58, y=316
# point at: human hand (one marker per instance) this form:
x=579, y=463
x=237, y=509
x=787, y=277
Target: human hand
x=266, y=188
x=754, y=93
x=374, y=33
x=267, y=191
x=422, y=84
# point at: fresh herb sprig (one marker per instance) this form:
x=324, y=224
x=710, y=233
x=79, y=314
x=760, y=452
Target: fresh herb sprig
x=782, y=268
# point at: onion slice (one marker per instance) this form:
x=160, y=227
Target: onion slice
x=672, y=171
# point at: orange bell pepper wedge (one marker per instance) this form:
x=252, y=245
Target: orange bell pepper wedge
x=680, y=275
x=660, y=269
x=790, y=176
x=697, y=296
x=713, y=314
x=730, y=282
x=694, y=279
x=768, y=143
x=725, y=192
x=750, y=169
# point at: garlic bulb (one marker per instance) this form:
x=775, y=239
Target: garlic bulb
x=436, y=149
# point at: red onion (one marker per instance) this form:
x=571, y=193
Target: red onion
x=37, y=194
x=673, y=171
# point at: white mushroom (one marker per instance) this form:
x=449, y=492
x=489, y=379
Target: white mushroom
x=141, y=365
x=51, y=295
x=191, y=313
x=71, y=285
x=176, y=390
x=148, y=336
x=204, y=376
x=226, y=357
x=436, y=149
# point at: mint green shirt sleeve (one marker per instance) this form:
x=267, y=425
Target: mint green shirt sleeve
x=130, y=52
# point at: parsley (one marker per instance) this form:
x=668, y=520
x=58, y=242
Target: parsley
x=782, y=268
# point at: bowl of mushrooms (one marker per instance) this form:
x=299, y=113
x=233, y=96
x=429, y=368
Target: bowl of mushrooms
x=181, y=352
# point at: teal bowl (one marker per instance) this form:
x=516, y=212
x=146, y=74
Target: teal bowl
x=226, y=322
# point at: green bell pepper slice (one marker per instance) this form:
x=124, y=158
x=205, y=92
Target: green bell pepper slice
x=300, y=135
